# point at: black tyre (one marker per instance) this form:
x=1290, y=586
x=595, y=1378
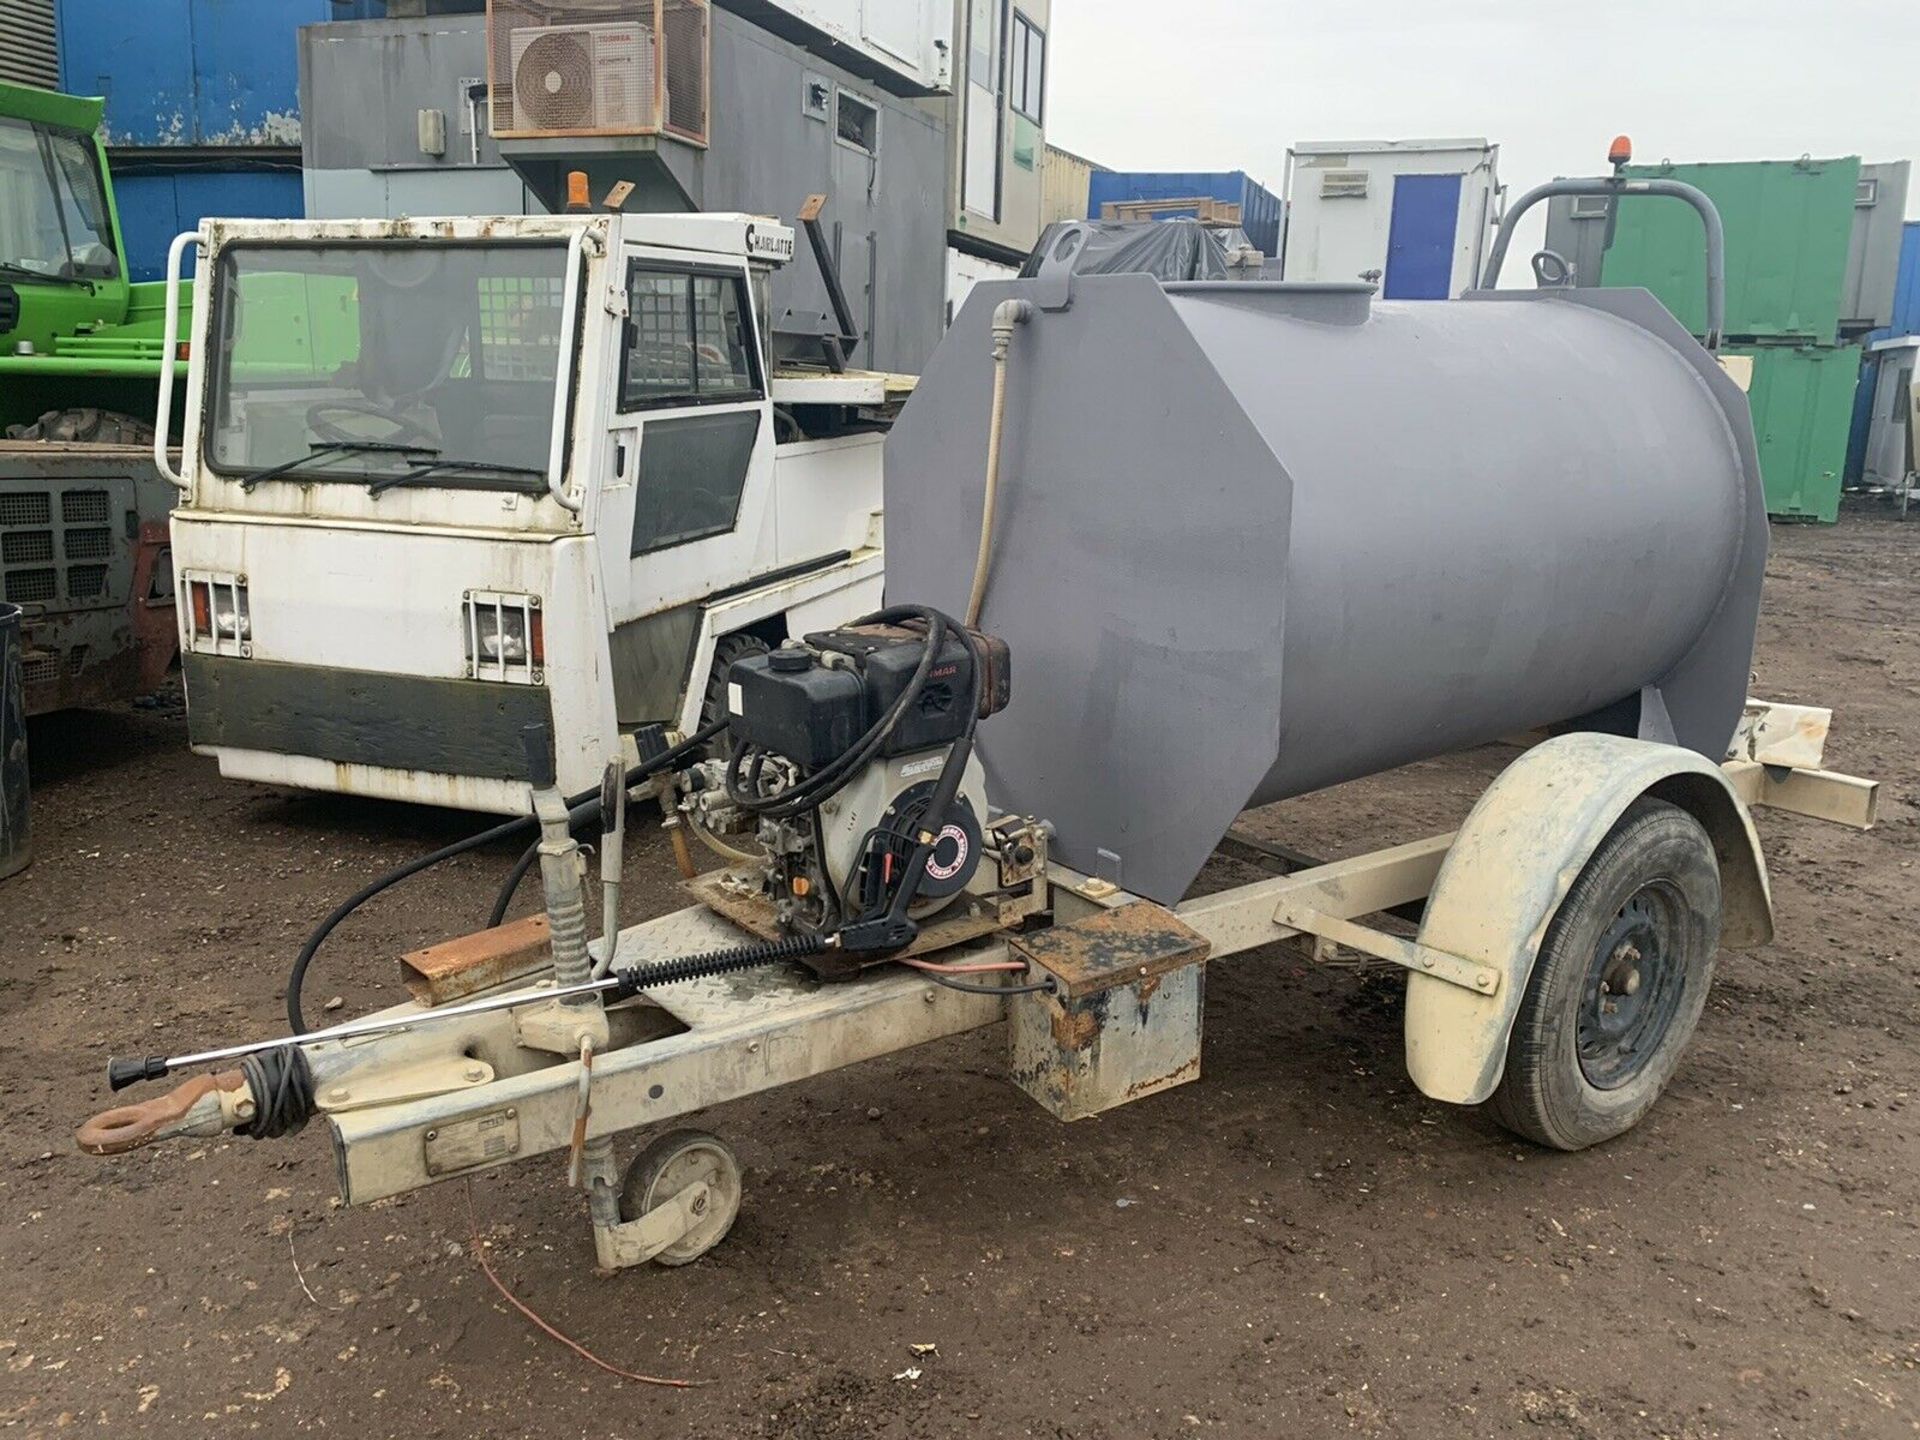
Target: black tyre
x=86, y=425
x=726, y=651
x=1619, y=985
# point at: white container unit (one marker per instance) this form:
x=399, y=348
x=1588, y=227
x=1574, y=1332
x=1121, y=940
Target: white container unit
x=1890, y=449
x=1413, y=216
x=965, y=271
x=905, y=45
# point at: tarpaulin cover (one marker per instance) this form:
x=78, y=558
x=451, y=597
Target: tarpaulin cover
x=1168, y=250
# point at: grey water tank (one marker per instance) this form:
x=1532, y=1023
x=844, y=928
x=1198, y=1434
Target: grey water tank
x=1255, y=540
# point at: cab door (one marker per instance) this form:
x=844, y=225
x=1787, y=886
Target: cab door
x=687, y=509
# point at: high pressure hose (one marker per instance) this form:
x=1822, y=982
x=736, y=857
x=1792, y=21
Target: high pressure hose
x=1006, y=315
x=277, y=1072
x=580, y=809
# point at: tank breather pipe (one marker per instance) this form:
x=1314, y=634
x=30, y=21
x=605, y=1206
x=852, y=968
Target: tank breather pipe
x=1614, y=189
x=1006, y=315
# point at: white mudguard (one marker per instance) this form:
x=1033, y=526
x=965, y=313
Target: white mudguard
x=1515, y=858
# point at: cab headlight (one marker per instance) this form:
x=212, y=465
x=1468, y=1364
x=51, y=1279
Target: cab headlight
x=503, y=636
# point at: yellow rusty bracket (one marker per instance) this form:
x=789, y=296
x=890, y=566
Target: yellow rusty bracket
x=1408, y=954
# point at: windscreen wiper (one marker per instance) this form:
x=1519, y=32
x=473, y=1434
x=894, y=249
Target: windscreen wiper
x=322, y=448
x=26, y=272
x=439, y=467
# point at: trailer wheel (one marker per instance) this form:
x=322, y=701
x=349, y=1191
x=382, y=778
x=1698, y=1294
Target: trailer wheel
x=1620, y=982
x=666, y=1167
x=727, y=650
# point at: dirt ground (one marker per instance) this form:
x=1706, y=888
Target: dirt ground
x=1297, y=1245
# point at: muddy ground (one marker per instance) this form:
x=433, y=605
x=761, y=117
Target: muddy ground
x=1297, y=1245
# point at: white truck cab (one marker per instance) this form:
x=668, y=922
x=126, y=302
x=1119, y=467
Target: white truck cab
x=447, y=478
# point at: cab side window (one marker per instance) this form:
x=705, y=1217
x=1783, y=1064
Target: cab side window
x=688, y=339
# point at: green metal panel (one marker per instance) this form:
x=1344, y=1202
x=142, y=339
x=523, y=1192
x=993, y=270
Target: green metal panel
x=93, y=344
x=1788, y=225
x=1802, y=399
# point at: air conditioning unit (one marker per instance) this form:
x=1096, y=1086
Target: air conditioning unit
x=583, y=77
x=1343, y=184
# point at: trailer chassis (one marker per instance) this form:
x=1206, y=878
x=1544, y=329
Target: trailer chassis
x=461, y=1096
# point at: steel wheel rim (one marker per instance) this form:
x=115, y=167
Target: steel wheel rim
x=1633, y=987
x=698, y=1161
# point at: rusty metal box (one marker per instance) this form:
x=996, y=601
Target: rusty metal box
x=1125, y=1019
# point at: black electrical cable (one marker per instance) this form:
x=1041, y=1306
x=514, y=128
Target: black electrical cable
x=509, y=886
x=297, y=977
x=580, y=808
x=1047, y=985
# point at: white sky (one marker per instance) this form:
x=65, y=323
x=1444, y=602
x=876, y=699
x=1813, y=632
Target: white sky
x=1229, y=84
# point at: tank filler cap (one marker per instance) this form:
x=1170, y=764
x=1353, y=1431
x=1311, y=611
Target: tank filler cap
x=791, y=659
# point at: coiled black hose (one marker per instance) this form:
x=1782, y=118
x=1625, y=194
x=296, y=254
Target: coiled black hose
x=281, y=1080
x=580, y=809
x=282, y=1086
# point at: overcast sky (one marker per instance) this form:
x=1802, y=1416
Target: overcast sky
x=1229, y=84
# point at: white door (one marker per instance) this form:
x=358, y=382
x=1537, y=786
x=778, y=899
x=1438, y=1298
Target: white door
x=980, y=142
x=687, y=506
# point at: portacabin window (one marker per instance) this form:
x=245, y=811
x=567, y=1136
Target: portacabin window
x=689, y=338
x=857, y=123
x=1027, y=84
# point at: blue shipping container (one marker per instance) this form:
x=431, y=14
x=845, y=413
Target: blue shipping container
x=155, y=208
x=1862, y=422
x=190, y=72
x=1906, y=290
x=1259, y=206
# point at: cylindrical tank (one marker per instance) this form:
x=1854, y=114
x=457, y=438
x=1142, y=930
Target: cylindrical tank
x=16, y=849
x=1258, y=539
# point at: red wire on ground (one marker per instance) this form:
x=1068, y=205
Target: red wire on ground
x=480, y=1254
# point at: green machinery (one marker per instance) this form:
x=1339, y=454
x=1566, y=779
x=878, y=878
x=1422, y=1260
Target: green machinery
x=75, y=333
x=1787, y=225
x=83, y=510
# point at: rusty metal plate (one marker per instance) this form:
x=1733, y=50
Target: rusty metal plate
x=463, y=1144
x=454, y=969
x=1114, y=947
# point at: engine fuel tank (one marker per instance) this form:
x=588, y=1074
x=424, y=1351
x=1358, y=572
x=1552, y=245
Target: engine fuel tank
x=1258, y=539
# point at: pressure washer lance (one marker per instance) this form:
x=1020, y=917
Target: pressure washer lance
x=622, y=983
